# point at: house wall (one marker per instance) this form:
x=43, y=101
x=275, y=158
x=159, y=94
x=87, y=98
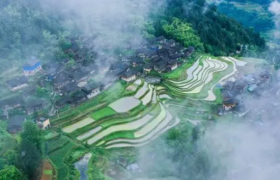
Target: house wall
x=18, y=87
x=174, y=67
x=93, y=93
x=7, y=107
x=31, y=71
x=229, y=106
x=82, y=84
x=129, y=79
x=46, y=124
x=147, y=70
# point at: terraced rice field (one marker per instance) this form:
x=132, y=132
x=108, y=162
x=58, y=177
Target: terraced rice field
x=148, y=97
x=122, y=127
x=149, y=134
x=151, y=125
x=198, y=77
x=140, y=128
x=120, y=144
x=78, y=125
x=125, y=104
x=137, y=119
x=89, y=133
x=142, y=91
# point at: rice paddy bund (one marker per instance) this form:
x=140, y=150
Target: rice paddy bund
x=139, y=116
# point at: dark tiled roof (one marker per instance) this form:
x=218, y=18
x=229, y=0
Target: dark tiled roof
x=34, y=103
x=228, y=85
x=161, y=66
x=129, y=73
x=42, y=119
x=61, y=78
x=17, y=81
x=69, y=88
x=29, y=91
x=91, y=86
x=231, y=101
x=11, y=101
x=148, y=66
x=227, y=94
x=175, y=56
x=64, y=101
x=79, y=74
x=171, y=41
x=15, y=122
x=79, y=96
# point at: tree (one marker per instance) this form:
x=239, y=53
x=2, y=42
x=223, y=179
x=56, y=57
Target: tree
x=32, y=133
x=31, y=158
x=31, y=149
x=11, y=173
x=11, y=158
x=183, y=32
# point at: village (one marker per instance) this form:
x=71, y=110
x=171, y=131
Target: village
x=45, y=88
x=129, y=100
x=236, y=91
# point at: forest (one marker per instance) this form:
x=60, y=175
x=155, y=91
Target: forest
x=31, y=28
x=252, y=14
x=210, y=26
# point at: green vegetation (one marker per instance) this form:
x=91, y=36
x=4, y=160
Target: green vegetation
x=250, y=14
x=198, y=88
x=181, y=71
x=121, y=134
x=11, y=173
x=31, y=144
x=182, y=32
x=7, y=142
x=56, y=143
x=210, y=26
x=58, y=157
x=48, y=172
x=105, y=112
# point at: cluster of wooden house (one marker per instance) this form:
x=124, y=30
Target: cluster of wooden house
x=159, y=54
x=73, y=84
x=233, y=91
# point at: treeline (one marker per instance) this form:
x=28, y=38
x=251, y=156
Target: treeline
x=260, y=21
x=263, y=2
x=25, y=161
x=32, y=28
x=219, y=34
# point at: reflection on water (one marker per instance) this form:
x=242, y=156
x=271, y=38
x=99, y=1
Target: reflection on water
x=82, y=166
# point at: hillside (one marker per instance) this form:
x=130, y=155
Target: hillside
x=211, y=25
x=44, y=30
x=254, y=14
x=102, y=90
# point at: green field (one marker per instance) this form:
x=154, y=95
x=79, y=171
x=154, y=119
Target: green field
x=7, y=142
x=105, y=112
x=58, y=157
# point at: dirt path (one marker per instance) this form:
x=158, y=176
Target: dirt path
x=47, y=172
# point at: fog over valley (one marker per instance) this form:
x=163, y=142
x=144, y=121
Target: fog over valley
x=139, y=90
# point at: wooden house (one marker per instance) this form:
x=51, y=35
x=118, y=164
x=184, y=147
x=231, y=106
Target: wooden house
x=17, y=83
x=15, y=123
x=43, y=123
x=91, y=90
x=32, y=67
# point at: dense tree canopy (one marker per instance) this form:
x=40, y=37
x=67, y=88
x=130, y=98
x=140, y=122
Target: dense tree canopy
x=182, y=32
x=31, y=149
x=11, y=173
x=257, y=16
x=219, y=34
